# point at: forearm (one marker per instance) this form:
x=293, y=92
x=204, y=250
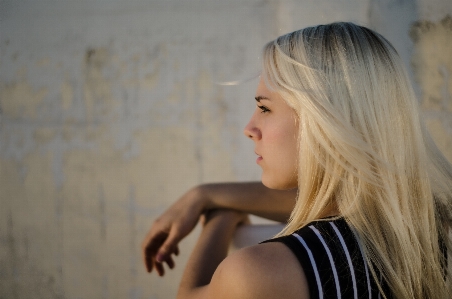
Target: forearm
x=251, y=197
x=180, y=219
x=210, y=250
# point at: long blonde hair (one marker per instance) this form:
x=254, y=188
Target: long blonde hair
x=364, y=151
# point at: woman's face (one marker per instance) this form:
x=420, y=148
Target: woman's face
x=274, y=130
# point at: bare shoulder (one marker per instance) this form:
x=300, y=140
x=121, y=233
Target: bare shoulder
x=267, y=270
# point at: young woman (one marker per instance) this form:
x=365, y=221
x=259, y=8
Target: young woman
x=344, y=153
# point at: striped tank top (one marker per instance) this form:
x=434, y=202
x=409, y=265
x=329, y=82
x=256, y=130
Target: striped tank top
x=333, y=261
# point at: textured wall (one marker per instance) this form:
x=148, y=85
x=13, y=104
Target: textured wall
x=110, y=111
x=432, y=66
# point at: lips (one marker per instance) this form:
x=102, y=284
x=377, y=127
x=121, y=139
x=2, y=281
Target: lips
x=259, y=158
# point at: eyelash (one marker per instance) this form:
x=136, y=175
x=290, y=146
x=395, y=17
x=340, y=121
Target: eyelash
x=264, y=109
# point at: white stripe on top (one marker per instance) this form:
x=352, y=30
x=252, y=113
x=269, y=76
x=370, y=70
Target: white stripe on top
x=349, y=259
x=330, y=257
x=365, y=267
x=381, y=283
x=314, y=265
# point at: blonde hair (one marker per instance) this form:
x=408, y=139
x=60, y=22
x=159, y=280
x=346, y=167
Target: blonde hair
x=364, y=151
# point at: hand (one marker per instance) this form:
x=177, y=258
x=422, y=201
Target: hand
x=170, y=228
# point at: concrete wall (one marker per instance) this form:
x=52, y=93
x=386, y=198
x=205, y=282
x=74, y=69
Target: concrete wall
x=110, y=111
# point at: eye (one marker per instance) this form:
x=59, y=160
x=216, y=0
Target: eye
x=263, y=108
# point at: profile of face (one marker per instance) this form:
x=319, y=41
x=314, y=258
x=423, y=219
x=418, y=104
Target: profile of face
x=274, y=130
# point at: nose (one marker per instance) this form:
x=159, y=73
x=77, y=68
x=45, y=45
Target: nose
x=252, y=131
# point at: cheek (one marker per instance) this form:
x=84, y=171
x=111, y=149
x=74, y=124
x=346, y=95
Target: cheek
x=282, y=169
x=289, y=160
x=281, y=139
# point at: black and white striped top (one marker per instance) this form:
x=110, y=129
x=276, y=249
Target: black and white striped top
x=332, y=261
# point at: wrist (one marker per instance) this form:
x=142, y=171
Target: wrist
x=225, y=217
x=205, y=199
x=196, y=200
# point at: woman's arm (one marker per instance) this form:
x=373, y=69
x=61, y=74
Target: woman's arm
x=180, y=219
x=261, y=271
x=210, y=250
x=252, y=198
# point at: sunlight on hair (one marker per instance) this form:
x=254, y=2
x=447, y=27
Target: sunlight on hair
x=362, y=146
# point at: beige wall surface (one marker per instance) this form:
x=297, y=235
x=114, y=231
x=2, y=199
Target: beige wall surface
x=110, y=110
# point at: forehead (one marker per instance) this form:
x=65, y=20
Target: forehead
x=264, y=91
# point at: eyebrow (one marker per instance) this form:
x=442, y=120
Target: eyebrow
x=259, y=98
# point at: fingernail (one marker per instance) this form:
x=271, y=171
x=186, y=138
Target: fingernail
x=160, y=258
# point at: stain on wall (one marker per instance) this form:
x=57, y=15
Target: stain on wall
x=432, y=67
x=97, y=90
x=21, y=100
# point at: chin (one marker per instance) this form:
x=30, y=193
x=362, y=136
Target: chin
x=278, y=184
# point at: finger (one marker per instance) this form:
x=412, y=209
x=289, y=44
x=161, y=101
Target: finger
x=170, y=262
x=148, y=263
x=147, y=259
x=176, y=250
x=145, y=254
x=169, y=246
x=159, y=268
x=150, y=248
